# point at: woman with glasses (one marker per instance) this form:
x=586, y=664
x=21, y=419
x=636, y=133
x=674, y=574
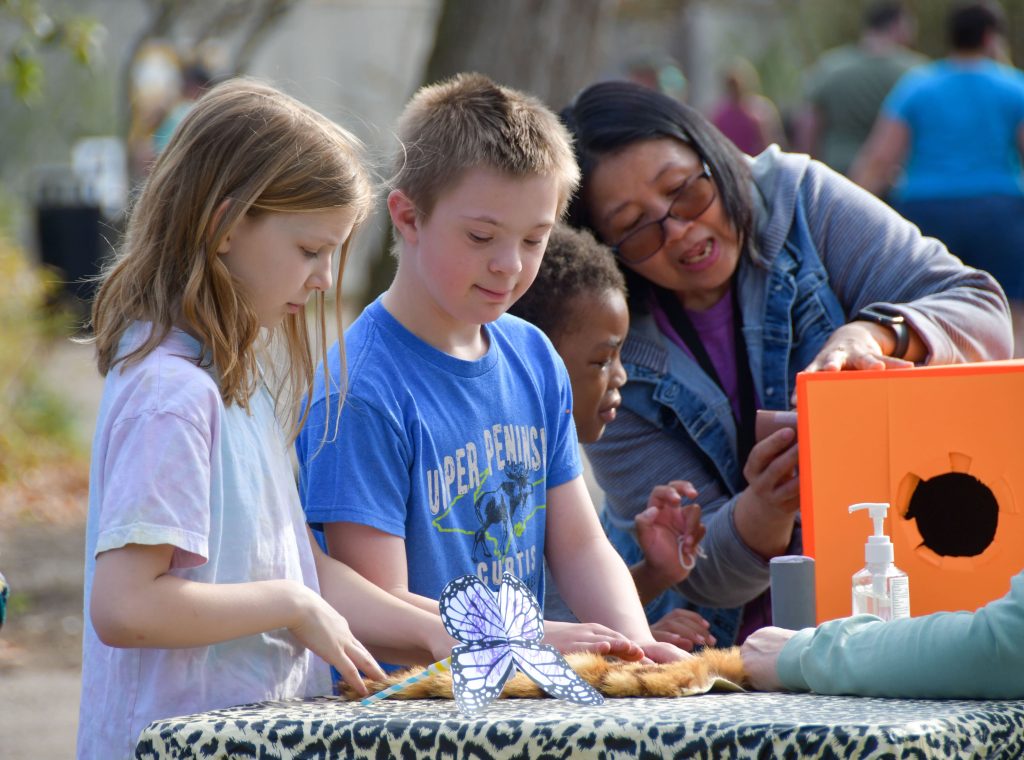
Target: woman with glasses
x=741, y=273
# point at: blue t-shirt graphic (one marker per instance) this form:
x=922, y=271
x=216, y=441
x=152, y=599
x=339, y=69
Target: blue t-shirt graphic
x=454, y=456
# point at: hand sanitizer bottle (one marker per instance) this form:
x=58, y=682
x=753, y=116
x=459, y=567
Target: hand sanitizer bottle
x=881, y=588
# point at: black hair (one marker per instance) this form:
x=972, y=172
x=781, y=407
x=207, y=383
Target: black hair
x=609, y=116
x=883, y=14
x=969, y=22
x=574, y=265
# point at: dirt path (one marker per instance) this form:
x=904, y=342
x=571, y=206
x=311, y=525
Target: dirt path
x=40, y=645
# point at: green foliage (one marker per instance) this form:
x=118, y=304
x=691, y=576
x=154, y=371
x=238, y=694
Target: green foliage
x=36, y=30
x=36, y=424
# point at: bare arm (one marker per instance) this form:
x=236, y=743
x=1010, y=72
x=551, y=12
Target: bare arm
x=879, y=160
x=391, y=628
x=137, y=603
x=593, y=578
x=378, y=557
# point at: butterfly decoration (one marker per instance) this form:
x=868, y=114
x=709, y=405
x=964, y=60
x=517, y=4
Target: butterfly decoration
x=499, y=633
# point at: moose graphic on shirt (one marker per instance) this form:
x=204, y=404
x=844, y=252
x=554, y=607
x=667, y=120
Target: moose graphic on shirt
x=498, y=509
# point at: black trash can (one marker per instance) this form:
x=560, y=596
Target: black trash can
x=68, y=231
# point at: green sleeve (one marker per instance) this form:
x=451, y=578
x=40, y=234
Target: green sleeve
x=947, y=654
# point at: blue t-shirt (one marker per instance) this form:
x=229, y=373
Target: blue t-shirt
x=454, y=456
x=963, y=119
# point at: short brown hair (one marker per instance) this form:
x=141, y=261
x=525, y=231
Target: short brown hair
x=469, y=121
x=574, y=264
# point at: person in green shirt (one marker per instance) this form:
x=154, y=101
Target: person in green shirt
x=847, y=85
x=973, y=655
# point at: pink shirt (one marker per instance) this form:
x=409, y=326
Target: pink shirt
x=172, y=465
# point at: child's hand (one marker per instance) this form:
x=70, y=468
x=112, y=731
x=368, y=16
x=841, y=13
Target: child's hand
x=668, y=534
x=322, y=630
x=590, y=637
x=658, y=651
x=684, y=628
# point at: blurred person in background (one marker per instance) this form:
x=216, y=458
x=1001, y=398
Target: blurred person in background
x=847, y=85
x=744, y=115
x=195, y=80
x=659, y=73
x=949, y=142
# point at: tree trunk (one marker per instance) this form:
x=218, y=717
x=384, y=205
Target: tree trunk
x=549, y=48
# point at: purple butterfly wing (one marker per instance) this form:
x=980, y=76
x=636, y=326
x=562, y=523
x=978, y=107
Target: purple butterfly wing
x=469, y=611
x=546, y=667
x=519, y=610
x=479, y=672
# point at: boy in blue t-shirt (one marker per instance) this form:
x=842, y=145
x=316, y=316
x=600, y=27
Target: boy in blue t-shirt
x=455, y=452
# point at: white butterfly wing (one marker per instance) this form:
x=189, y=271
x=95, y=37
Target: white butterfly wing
x=470, y=611
x=479, y=672
x=546, y=667
x=519, y=610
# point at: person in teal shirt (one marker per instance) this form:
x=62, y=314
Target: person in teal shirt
x=973, y=655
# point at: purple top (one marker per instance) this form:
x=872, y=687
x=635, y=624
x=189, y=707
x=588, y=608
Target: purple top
x=715, y=329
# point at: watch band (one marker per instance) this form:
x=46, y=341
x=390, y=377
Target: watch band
x=894, y=322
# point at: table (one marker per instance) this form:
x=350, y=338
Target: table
x=734, y=725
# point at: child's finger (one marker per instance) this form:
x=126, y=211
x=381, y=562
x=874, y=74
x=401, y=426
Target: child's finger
x=664, y=496
x=691, y=518
x=684, y=488
x=350, y=674
x=625, y=649
x=366, y=662
x=675, y=639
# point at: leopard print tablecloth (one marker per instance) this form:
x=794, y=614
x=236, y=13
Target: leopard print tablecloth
x=743, y=725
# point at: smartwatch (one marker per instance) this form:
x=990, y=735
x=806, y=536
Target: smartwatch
x=895, y=322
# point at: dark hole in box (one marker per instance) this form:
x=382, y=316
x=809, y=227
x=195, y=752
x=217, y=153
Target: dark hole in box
x=956, y=514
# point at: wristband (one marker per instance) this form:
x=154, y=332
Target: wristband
x=894, y=322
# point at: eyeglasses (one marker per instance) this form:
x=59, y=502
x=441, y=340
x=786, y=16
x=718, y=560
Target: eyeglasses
x=690, y=201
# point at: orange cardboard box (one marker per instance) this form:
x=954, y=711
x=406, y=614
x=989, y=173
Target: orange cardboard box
x=945, y=447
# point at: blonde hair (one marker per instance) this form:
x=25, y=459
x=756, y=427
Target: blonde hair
x=469, y=121
x=244, y=148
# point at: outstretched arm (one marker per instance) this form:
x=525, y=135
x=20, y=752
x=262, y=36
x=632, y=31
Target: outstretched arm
x=976, y=655
x=137, y=603
x=593, y=578
x=378, y=557
x=391, y=628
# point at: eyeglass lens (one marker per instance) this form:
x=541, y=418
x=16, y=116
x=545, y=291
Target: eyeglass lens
x=693, y=199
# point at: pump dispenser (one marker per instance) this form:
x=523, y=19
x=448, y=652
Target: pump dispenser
x=881, y=588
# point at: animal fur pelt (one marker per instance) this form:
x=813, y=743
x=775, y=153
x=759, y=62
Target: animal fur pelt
x=708, y=669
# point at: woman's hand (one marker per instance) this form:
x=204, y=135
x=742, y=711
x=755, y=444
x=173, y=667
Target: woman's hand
x=668, y=535
x=771, y=473
x=321, y=629
x=760, y=653
x=766, y=508
x=590, y=637
x=683, y=628
x=857, y=345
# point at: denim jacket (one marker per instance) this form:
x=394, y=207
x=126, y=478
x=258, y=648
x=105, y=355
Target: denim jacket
x=676, y=423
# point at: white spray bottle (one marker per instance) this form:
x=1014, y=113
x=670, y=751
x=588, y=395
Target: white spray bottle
x=881, y=588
